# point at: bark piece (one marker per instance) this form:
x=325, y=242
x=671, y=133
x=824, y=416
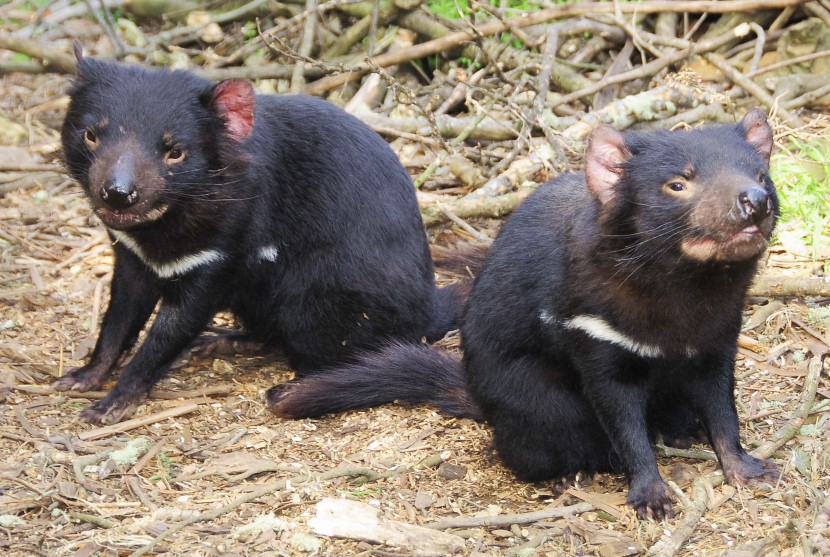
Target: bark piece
x=343, y=518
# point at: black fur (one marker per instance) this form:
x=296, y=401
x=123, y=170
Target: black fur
x=374, y=379
x=609, y=307
x=305, y=223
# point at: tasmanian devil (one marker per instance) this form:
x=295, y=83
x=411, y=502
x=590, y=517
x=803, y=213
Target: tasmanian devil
x=284, y=210
x=607, y=311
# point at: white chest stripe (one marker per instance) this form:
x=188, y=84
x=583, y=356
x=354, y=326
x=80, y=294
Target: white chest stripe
x=170, y=269
x=598, y=328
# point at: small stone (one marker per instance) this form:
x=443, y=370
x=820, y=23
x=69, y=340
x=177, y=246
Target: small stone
x=423, y=500
x=451, y=471
x=212, y=34
x=69, y=490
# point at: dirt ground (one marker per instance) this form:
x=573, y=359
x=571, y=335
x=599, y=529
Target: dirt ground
x=227, y=478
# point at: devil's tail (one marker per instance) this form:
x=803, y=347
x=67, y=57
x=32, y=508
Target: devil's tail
x=411, y=373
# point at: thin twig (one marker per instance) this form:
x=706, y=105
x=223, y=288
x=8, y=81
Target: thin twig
x=789, y=62
x=510, y=519
x=142, y=421
x=752, y=88
x=297, y=81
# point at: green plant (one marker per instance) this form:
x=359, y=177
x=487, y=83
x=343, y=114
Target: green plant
x=802, y=175
x=469, y=63
x=166, y=465
x=249, y=30
x=456, y=9
x=361, y=493
x=449, y=8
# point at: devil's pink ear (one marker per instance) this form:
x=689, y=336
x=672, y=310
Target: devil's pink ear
x=603, y=162
x=758, y=132
x=233, y=101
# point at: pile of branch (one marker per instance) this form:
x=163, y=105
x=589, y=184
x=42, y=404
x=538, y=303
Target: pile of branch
x=492, y=101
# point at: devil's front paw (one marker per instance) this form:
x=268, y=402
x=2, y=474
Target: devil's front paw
x=86, y=378
x=576, y=479
x=744, y=469
x=651, y=500
x=110, y=409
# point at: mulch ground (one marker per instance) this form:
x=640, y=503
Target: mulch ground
x=225, y=477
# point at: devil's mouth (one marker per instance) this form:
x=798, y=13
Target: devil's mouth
x=744, y=244
x=123, y=220
x=750, y=233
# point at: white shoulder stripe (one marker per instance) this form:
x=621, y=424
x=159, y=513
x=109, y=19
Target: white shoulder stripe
x=170, y=269
x=268, y=253
x=598, y=328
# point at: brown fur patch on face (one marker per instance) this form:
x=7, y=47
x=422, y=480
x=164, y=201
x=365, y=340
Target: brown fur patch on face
x=147, y=181
x=702, y=249
x=741, y=246
x=726, y=235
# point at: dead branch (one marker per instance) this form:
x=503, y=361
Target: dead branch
x=702, y=113
x=297, y=81
x=49, y=56
x=789, y=62
x=782, y=287
x=491, y=207
x=807, y=98
x=447, y=42
x=448, y=126
x=649, y=105
x=752, y=88
x=264, y=36
x=643, y=107
x=342, y=518
x=23, y=66
x=649, y=69
x=504, y=57
x=266, y=71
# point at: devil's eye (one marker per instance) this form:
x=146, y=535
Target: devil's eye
x=762, y=176
x=676, y=186
x=175, y=155
x=91, y=139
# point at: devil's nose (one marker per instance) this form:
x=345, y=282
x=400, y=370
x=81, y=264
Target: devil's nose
x=119, y=192
x=755, y=204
